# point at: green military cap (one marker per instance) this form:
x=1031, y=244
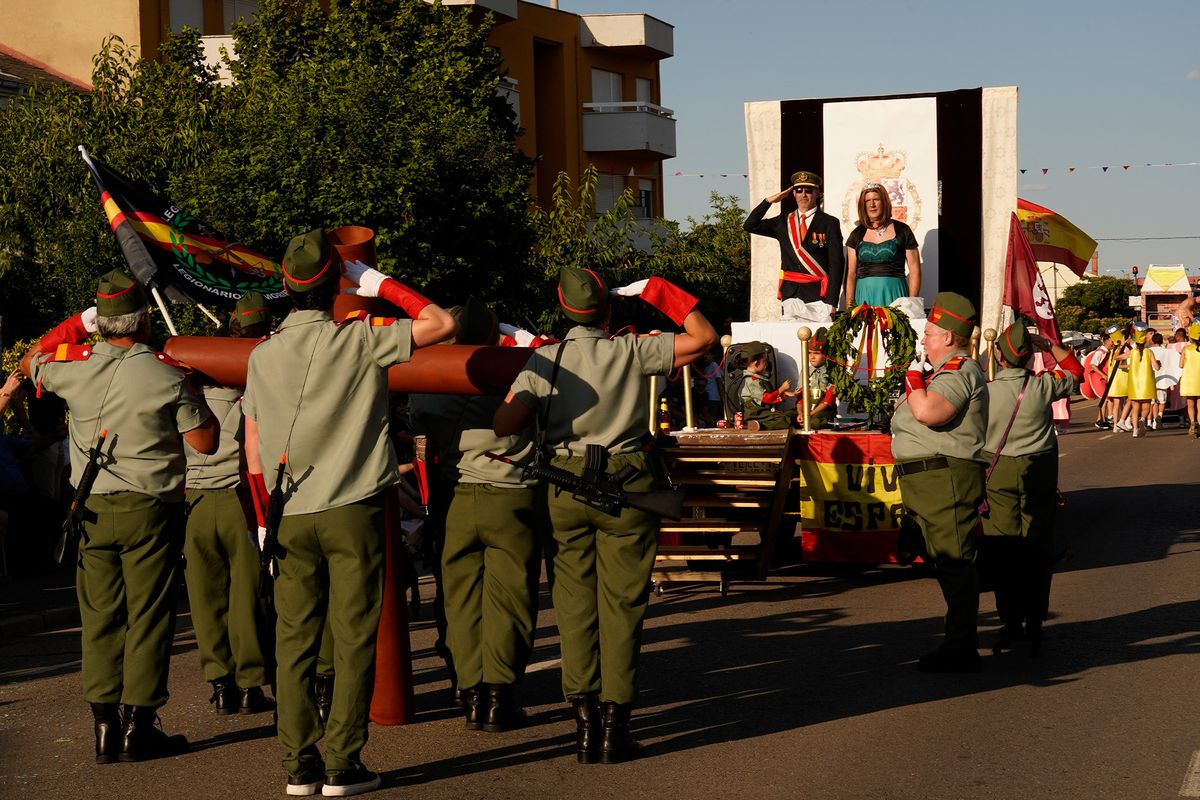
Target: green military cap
x=819, y=340
x=752, y=350
x=583, y=295
x=251, y=309
x=953, y=312
x=806, y=178
x=477, y=324
x=310, y=262
x=1014, y=343
x=117, y=293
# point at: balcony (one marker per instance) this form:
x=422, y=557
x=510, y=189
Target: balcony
x=638, y=34
x=634, y=127
x=502, y=10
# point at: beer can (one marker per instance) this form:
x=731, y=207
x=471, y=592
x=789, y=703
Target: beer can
x=739, y=421
x=722, y=423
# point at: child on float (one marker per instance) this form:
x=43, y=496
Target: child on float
x=1189, y=381
x=761, y=401
x=821, y=397
x=1142, y=366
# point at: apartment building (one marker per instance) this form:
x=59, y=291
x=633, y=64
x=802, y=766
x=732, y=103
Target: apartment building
x=586, y=88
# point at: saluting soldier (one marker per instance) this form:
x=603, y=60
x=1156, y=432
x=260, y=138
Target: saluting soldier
x=134, y=518
x=316, y=408
x=588, y=396
x=221, y=549
x=812, y=259
x=938, y=432
x=490, y=565
x=1022, y=488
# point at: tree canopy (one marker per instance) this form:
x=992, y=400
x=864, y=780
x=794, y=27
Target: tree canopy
x=1095, y=303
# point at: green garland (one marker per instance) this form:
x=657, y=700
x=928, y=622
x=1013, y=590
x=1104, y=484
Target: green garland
x=900, y=347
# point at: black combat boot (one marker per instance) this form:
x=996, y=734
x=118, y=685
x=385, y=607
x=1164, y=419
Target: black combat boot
x=143, y=737
x=476, y=708
x=225, y=699
x=108, y=731
x=616, y=743
x=323, y=695
x=501, y=713
x=253, y=701
x=587, y=728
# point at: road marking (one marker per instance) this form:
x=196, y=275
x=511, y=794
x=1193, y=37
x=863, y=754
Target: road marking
x=37, y=672
x=1107, y=436
x=1191, y=781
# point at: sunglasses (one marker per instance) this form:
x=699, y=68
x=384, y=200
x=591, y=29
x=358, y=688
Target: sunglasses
x=804, y=190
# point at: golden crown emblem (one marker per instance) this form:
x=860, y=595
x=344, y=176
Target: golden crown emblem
x=881, y=164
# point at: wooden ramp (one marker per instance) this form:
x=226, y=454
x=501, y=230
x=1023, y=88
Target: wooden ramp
x=737, y=487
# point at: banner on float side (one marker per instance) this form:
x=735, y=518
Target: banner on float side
x=850, y=505
x=948, y=159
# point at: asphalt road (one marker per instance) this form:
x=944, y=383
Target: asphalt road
x=802, y=687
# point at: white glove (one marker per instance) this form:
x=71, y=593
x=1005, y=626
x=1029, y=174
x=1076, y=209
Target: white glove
x=369, y=280
x=89, y=320
x=262, y=538
x=522, y=337
x=632, y=290
x=917, y=365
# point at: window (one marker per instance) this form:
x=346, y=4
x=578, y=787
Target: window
x=606, y=87
x=644, y=199
x=645, y=90
x=238, y=11
x=608, y=189
x=186, y=12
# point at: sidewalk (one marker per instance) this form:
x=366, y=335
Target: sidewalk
x=43, y=601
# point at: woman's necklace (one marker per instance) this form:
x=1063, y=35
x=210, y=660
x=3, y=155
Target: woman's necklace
x=878, y=231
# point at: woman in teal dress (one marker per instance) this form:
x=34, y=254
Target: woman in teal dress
x=878, y=252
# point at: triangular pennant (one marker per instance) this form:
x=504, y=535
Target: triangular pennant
x=1023, y=171
x=1070, y=169
x=1125, y=167
x=1104, y=168
x=678, y=174
x=1045, y=170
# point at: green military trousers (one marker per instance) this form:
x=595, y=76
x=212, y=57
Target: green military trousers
x=602, y=585
x=222, y=581
x=332, y=563
x=945, y=502
x=128, y=571
x=490, y=571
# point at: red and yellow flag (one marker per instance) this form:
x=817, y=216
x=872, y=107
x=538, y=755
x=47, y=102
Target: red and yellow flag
x=1053, y=238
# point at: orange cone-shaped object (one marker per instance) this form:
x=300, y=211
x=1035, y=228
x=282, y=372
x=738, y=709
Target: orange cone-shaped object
x=394, y=702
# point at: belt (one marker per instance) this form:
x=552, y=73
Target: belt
x=922, y=465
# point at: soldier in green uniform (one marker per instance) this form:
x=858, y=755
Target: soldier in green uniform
x=221, y=551
x=938, y=432
x=822, y=400
x=490, y=554
x=592, y=411
x=1022, y=487
x=133, y=523
x=316, y=408
x=760, y=399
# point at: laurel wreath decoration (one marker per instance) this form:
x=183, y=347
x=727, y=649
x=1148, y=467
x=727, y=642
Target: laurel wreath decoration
x=178, y=226
x=851, y=338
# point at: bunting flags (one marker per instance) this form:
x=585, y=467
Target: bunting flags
x=168, y=248
x=1044, y=170
x=1024, y=290
x=1053, y=238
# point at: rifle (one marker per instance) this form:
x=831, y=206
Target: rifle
x=606, y=494
x=268, y=567
x=72, y=527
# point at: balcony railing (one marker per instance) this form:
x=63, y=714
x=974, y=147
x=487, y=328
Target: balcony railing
x=634, y=126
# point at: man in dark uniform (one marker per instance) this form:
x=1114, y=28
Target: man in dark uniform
x=592, y=412
x=812, y=259
x=938, y=432
x=316, y=408
x=134, y=517
x=222, y=561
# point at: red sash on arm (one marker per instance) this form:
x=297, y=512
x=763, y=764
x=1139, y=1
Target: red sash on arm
x=815, y=272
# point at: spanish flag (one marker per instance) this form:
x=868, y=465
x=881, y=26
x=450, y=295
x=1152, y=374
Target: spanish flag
x=1053, y=237
x=167, y=247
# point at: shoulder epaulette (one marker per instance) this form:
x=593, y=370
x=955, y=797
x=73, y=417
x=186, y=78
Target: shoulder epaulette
x=363, y=316
x=954, y=363
x=70, y=352
x=170, y=362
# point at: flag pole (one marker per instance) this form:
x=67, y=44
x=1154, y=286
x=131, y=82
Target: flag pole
x=209, y=314
x=162, y=309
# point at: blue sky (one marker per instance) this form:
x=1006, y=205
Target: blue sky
x=1101, y=83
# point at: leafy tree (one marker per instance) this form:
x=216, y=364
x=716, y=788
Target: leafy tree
x=1095, y=303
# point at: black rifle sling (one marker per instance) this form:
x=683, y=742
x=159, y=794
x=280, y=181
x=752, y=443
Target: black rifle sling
x=543, y=421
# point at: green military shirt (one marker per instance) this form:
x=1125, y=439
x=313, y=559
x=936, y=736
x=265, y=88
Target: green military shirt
x=222, y=469
x=819, y=381
x=145, y=405
x=1033, y=427
x=460, y=432
x=753, y=388
x=600, y=396
x=963, y=436
x=319, y=389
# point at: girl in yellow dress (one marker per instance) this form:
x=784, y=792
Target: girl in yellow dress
x=1142, y=366
x=1118, y=384
x=1189, y=381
